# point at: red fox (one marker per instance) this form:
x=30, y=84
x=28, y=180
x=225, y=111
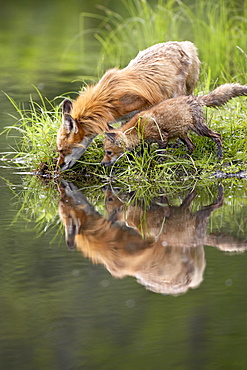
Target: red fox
x=170, y=119
x=160, y=72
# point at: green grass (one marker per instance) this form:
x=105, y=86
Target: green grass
x=34, y=131
x=218, y=29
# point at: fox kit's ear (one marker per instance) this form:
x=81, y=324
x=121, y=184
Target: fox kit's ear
x=111, y=136
x=67, y=106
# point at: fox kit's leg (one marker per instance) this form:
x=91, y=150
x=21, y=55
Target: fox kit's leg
x=164, y=140
x=187, y=141
x=217, y=139
x=203, y=130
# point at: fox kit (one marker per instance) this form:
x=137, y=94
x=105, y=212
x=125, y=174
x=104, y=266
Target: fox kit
x=170, y=119
x=160, y=72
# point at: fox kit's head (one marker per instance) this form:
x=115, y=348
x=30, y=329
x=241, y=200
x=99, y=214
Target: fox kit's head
x=71, y=139
x=113, y=148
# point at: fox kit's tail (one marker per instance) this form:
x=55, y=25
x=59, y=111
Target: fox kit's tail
x=222, y=94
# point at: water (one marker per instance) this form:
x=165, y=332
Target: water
x=58, y=309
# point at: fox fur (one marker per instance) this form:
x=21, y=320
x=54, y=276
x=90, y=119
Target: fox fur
x=170, y=119
x=159, y=72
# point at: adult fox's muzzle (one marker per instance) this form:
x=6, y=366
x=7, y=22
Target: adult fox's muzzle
x=76, y=153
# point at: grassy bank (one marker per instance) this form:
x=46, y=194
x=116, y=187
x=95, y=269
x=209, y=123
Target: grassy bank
x=218, y=30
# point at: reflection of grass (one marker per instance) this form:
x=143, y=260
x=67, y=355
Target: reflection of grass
x=37, y=201
x=231, y=219
x=37, y=204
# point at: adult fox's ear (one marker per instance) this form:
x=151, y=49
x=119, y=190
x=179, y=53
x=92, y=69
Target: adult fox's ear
x=68, y=122
x=111, y=136
x=71, y=230
x=67, y=106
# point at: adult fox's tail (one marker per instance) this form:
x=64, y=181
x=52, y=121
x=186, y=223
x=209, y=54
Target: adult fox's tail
x=222, y=94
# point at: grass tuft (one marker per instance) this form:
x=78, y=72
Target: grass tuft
x=34, y=131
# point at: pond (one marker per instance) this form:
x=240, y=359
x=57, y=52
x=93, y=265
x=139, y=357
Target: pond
x=146, y=285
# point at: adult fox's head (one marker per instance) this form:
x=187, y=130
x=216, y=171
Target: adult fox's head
x=113, y=147
x=71, y=139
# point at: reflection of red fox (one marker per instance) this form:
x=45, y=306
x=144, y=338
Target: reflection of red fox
x=161, y=246
x=124, y=251
x=170, y=119
x=162, y=71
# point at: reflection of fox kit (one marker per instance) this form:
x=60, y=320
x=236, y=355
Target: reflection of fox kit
x=178, y=226
x=149, y=222
x=160, y=72
x=170, y=119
